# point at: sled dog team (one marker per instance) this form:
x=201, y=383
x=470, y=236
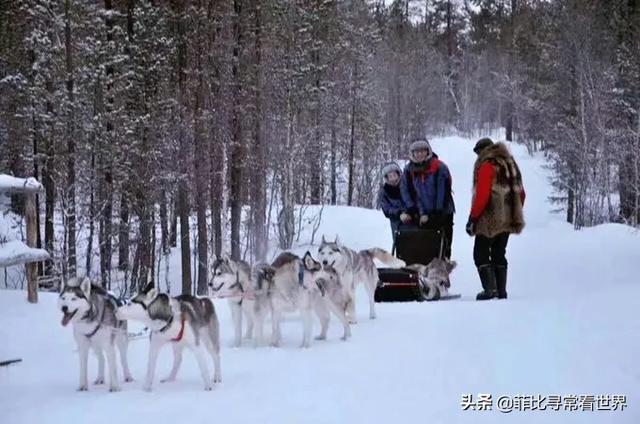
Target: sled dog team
x=289, y=284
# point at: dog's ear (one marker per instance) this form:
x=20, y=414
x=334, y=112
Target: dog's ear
x=337, y=241
x=63, y=284
x=85, y=286
x=309, y=263
x=151, y=295
x=323, y=240
x=148, y=287
x=451, y=265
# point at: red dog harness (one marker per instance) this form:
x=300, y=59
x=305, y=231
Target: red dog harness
x=181, y=333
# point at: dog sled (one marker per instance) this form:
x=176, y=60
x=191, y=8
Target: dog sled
x=413, y=246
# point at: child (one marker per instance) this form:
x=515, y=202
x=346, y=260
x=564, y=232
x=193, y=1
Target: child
x=389, y=196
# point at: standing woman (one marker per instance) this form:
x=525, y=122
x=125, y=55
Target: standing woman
x=496, y=212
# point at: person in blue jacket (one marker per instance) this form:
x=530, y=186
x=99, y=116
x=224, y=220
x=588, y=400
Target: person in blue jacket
x=389, y=196
x=425, y=187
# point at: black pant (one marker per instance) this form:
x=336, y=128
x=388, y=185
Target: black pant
x=492, y=251
x=444, y=222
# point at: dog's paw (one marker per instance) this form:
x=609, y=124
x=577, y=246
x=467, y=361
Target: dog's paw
x=372, y=316
x=147, y=388
x=113, y=389
x=82, y=388
x=208, y=388
x=168, y=380
x=217, y=379
x=128, y=379
x=99, y=381
x=321, y=337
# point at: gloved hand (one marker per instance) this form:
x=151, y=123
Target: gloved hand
x=470, y=228
x=405, y=218
x=424, y=219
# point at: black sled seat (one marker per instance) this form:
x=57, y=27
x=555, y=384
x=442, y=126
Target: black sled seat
x=413, y=246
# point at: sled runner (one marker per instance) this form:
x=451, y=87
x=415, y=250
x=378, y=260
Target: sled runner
x=413, y=246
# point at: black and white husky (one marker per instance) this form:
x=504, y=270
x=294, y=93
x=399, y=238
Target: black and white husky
x=356, y=267
x=181, y=321
x=92, y=312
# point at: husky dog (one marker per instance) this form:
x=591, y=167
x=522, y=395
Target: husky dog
x=435, y=276
x=262, y=282
x=355, y=267
x=336, y=296
x=233, y=280
x=302, y=285
x=92, y=311
x=183, y=321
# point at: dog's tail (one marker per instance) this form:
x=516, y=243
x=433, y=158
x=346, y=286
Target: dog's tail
x=385, y=257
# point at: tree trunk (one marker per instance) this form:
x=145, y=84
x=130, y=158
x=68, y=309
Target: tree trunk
x=215, y=193
x=92, y=214
x=48, y=180
x=235, y=162
x=183, y=193
x=201, y=173
x=316, y=148
x=334, y=162
x=123, y=232
x=71, y=148
x=259, y=195
x=352, y=138
x=570, y=205
x=106, y=173
x=185, y=243
x=173, y=234
x=31, y=268
x=164, y=224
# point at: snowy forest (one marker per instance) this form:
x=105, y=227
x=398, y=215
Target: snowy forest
x=205, y=124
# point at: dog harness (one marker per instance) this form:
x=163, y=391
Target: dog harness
x=95, y=330
x=181, y=333
x=168, y=324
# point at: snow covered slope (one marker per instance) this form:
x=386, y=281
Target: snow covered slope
x=570, y=327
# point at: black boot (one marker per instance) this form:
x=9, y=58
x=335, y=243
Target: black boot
x=488, y=280
x=501, y=280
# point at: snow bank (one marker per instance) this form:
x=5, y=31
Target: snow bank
x=9, y=183
x=15, y=252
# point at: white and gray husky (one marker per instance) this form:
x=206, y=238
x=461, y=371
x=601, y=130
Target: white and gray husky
x=435, y=276
x=92, y=312
x=305, y=286
x=234, y=280
x=356, y=267
x=182, y=321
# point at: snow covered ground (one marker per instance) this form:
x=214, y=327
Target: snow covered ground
x=570, y=327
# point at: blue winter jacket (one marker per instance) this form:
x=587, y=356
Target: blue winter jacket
x=390, y=201
x=426, y=188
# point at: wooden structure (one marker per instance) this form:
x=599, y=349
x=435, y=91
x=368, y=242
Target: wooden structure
x=15, y=252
